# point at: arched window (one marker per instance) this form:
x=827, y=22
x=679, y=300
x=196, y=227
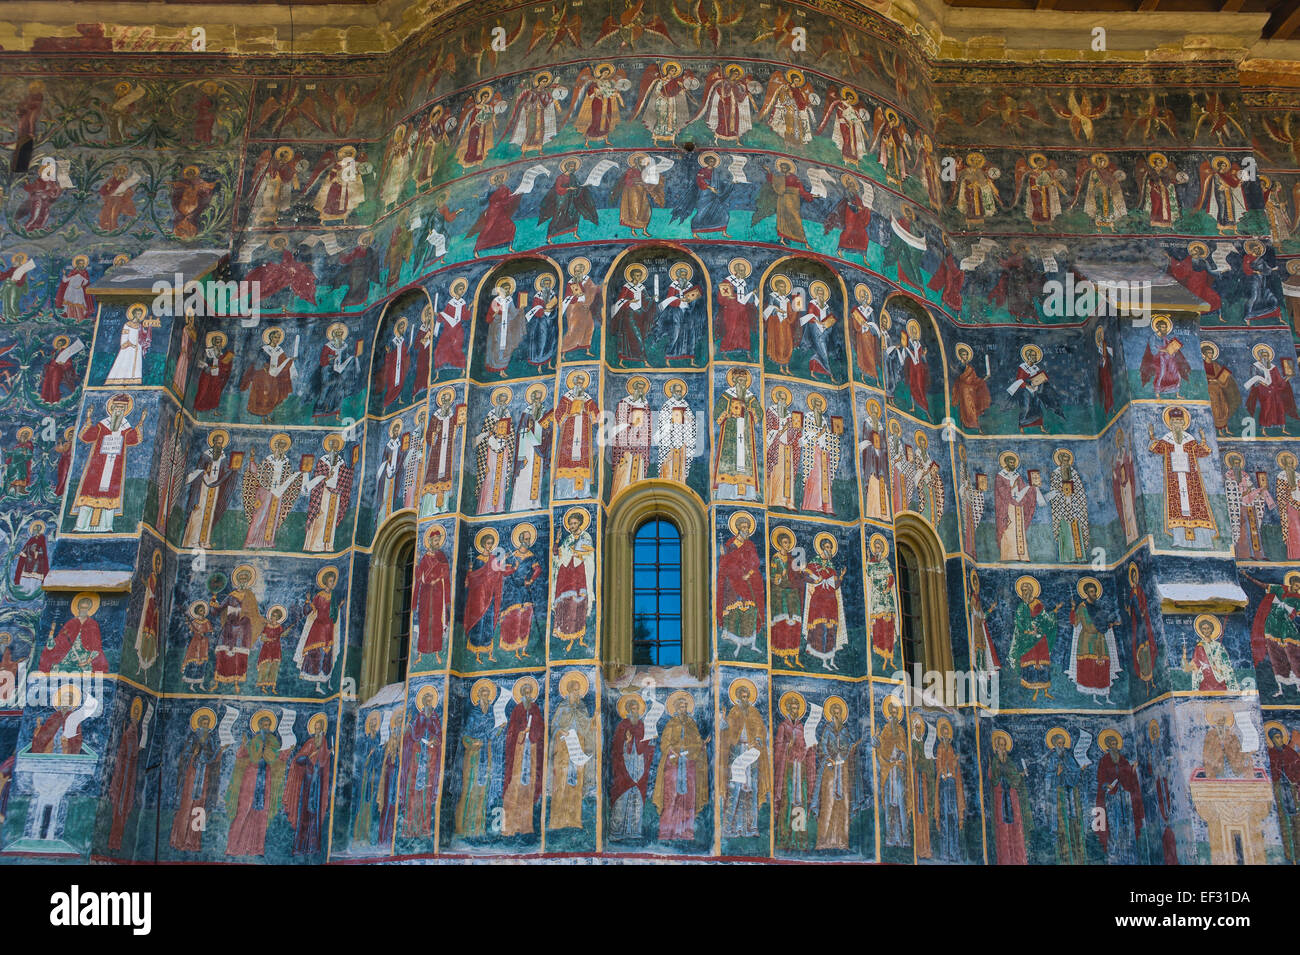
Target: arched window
x=656, y=571
x=387, y=645
x=657, y=594
x=923, y=624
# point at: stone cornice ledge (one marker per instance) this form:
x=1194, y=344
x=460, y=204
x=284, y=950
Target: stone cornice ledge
x=945, y=33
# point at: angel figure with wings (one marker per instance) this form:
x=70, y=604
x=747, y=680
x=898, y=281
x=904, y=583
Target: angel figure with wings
x=536, y=117
x=1044, y=185
x=728, y=107
x=848, y=121
x=1219, y=116
x=788, y=107
x=1081, y=112
x=1221, y=193
x=478, y=127
x=663, y=101
x=973, y=192
x=1098, y=183
x=275, y=177
x=598, y=101
x=892, y=145
x=397, y=166
x=783, y=195
x=1157, y=184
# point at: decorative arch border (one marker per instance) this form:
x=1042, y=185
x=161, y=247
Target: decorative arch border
x=912, y=531
x=762, y=289
x=643, y=501
x=613, y=278
x=399, y=529
x=380, y=336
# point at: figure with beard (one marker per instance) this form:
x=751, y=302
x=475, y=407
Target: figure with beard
x=566, y=204
x=198, y=772
x=360, y=268
x=852, y=216
x=495, y=226
x=631, y=316
x=681, y=315
x=630, y=756
x=738, y=304
x=335, y=374
x=706, y=201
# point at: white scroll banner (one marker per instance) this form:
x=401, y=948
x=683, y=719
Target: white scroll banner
x=531, y=176
x=737, y=168
x=287, y=738
x=819, y=179
x=1249, y=737
x=741, y=765
x=144, y=724
x=654, y=711
x=1081, y=749
x=226, y=731
x=499, y=710
x=576, y=755
x=810, y=726
x=598, y=172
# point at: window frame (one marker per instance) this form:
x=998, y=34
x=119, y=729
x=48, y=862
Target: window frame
x=398, y=531
x=912, y=533
x=646, y=500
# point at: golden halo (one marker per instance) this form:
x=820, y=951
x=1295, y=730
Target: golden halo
x=1282, y=458
x=1210, y=350
x=873, y=408
x=581, y=512
x=1153, y=731
x=449, y=392
x=637, y=267
x=1216, y=625
x=1275, y=725
x=538, y=389
x=826, y=536
x=795, y=77
x=80, y=261
x=1175, y=411
x=779, y=392
x=574, y=263
x=922, y=440
x=537, y=282
x=199, y=608
x=203, y=711
x=731, y=266
x=1015, y=460
x=578, y=677
x=1083, y=581
x=1037, y=160
x=429, y=694
x=891, y=117
x=836, y=701
x=890, y=705
x=1293, y=266
x=895, y=427
x=1254, y=246
x=781, y=535
x=479, y=685
x=789, y=695
x=1029, y=349
x=862, y=293
x=521, y=531
x=281, y=440
x=785, y=165
x=500, y=392
x=136, y=312
x=258, y=716
x=735, y=373
x=321, y=720
x=1234, y=459
x=137, y=707
x=974, y=579
x=638, y=378
x=485, y=540
x=284, y=613
x=216, y=339
x=284, y=154
x=1291, y=579
x=1108, y=734
x=735, y=518
x=266, y=335
x=523, y=681
x=347, y=152
x=625, y=702
x=1005, y=736
x=822, y=287
x=671, y=705
x=1199, y=249
x=373, y=719
x=1056, y=731
x=575, y=375
x=678, y=266
x=668, y=386
x=636, y=159
x=780, y=277
x=1262, y=352
x=243, y=569
x=320, y=575
x=1161, y=321
x=1157, y=160
x=1132, y=572
x=814, y=397
x=963, y=352
x=400, y=326
x=737, y=684
x=877, y=539
x=1099, y=159
x=85, y=595
x=434, y=531
x=507, y=283
x=395, y=720
x=1063, y=456
x=943, y=728
x=1034, y=585
x=333, y=442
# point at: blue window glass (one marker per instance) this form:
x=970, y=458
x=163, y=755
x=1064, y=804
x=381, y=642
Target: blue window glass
x=657, y=594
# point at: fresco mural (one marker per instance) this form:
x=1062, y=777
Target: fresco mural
x=830, y=298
